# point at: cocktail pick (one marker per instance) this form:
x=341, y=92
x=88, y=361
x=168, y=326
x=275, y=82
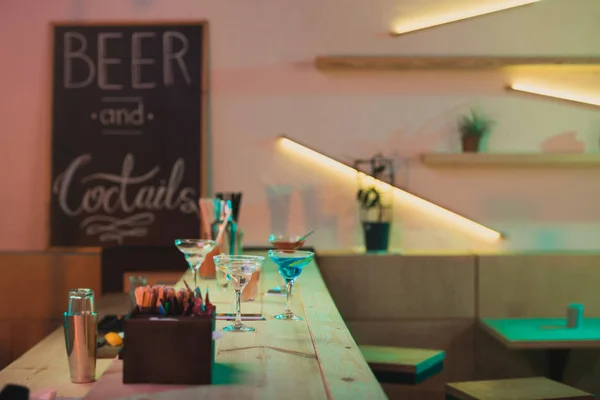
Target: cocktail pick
x=207, y=299
x=197, y=307
x=198, y=292
x=161, y=309
x=303, y=238
x=187, y=286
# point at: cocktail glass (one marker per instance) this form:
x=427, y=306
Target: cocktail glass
x=288, y=243
x=284, y=242
x=290, y=265
x=239, y=270
x=195, y=251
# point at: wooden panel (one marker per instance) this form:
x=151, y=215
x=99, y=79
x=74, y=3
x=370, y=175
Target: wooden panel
x=437, y=63
x=47, y=274
x=494, y=361
x=523, y=388
x=26, y=333
x=542, y=286
x=545, y=160
x=5, y=357
x=381, y=287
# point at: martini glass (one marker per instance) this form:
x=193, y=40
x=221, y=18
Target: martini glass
x=290, y=264
x=239, y=270
x=195, y=251
x=284, y=242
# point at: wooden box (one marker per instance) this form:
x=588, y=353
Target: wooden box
x=171, y=350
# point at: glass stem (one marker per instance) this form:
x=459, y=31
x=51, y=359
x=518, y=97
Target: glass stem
x=288, y=303
x=238, y=308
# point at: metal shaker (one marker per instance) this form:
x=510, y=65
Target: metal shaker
x=80, y=326
x=80, y=340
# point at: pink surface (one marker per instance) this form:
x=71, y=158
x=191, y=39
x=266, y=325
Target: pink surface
x=563, y=143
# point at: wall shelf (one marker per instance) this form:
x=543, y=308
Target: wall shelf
x=560, y=160
x=342, y=62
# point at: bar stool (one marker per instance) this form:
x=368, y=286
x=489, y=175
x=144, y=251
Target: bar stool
x=401, y=365
x=537, y=388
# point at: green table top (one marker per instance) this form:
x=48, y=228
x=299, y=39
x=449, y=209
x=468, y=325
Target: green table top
x=543, y=333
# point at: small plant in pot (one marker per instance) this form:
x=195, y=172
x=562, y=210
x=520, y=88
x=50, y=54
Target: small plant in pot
x=375, y=201
x=473, y=128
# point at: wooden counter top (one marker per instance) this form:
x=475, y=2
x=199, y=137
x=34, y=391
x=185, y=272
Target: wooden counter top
x=314, y=358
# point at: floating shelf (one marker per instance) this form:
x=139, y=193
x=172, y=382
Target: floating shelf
x=335, y=62
x=566, y=160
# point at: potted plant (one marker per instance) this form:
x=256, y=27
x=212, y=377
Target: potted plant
x=375, y=200
x=473, y=127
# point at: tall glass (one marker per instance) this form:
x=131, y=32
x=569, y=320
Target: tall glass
x=195, y=250
x=239, y=269
x=81, y=301
x=290, y=264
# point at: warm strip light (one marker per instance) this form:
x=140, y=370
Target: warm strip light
x=471, y=227
x=448, y=18
x=557, y=94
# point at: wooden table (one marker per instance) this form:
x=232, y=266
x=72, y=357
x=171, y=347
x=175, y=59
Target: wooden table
x=402, y=365
x=315, y=358
x=521, y=388
x=549, y=334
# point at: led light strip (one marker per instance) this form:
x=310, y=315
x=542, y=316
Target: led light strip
x=556, y=94
x=430, y=22
x=469, y=226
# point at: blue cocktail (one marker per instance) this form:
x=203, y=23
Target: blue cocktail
x=290, y=265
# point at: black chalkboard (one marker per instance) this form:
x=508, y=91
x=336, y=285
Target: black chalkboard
x=127, y=133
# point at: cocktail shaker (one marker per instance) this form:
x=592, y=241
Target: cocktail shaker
x=80, y=340
x=80, y=328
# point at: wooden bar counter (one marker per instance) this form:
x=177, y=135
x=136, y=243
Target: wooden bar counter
x=312, y=359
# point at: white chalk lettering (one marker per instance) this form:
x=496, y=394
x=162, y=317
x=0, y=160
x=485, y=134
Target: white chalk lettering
x=103, y=61
x=123, y=192
x=98, y=67
x=70, y=54
x=137, y=61
x=169, y=56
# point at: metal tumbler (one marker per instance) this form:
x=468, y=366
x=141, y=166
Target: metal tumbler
x=80, y=340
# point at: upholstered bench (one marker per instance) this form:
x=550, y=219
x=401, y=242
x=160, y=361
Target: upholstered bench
x=537, y=388
x=402, y=365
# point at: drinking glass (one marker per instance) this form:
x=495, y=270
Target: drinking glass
x=81, y=301
x=284, y=242
x=195, y=250
x=290, y=264
x=252, y=291
x=239, y=269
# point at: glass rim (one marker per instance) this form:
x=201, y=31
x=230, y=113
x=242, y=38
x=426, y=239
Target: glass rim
x=82, y=291
x=234, y=257
x=291, y=252
x=194, y=241
x=284, y=238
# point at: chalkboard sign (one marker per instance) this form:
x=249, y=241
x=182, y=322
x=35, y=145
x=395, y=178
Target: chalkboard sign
x=127, y=133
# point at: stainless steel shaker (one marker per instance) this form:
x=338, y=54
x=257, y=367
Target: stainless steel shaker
x=80, y=326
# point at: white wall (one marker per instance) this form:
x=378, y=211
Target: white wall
x=263, y=83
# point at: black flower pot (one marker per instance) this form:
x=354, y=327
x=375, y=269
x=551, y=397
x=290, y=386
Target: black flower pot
x=377, y=235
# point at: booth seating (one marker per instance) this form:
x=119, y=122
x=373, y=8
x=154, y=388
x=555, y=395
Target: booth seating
x=402, y=365
x=537, y=388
